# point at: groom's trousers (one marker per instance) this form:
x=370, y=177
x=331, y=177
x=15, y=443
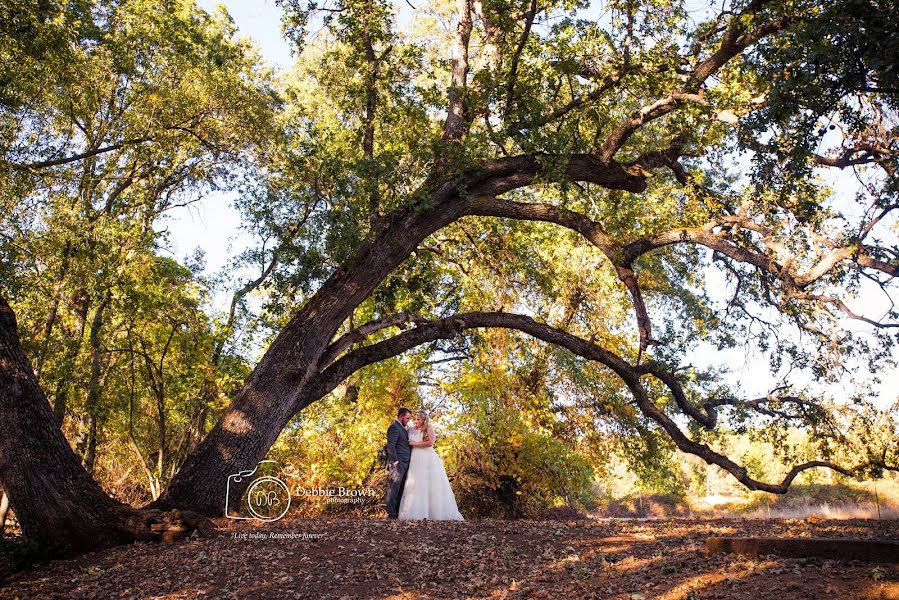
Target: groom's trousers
x=396, y=480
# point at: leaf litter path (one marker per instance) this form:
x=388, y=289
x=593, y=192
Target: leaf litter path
x=373, y=558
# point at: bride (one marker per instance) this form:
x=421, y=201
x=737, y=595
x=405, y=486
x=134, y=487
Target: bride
x=427, y=493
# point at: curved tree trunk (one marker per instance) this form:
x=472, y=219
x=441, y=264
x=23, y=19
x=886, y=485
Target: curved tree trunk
x=57, y=504
x=267, y=401
x=261, y=409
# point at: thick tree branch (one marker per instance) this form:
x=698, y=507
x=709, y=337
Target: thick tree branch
x=505, y=174
x=860, y=153
x=453, y=326
x=664, y=158
x=715, y=235
x=592, y=232
x=644, y=115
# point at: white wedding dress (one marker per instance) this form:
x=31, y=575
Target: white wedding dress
x=427, y=493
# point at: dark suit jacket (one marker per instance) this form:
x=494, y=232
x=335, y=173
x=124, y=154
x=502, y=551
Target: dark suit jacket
x=398, y=448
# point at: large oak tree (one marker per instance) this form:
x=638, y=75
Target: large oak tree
x=629, y=130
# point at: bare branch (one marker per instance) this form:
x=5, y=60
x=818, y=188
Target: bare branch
x=664, y=158
x=860, y=153
x=840, y=305
x=644, y=115
x=720, y=241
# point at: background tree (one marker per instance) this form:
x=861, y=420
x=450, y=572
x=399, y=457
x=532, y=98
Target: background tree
x=144, y=108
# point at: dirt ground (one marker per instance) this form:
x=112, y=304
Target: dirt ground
x=374, y=558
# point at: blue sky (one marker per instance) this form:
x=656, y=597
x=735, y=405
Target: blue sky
x=260, y=20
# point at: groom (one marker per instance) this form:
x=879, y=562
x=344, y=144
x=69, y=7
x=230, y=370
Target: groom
x=398, y=455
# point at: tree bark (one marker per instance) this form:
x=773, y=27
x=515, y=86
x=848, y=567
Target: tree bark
x=4, y=511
